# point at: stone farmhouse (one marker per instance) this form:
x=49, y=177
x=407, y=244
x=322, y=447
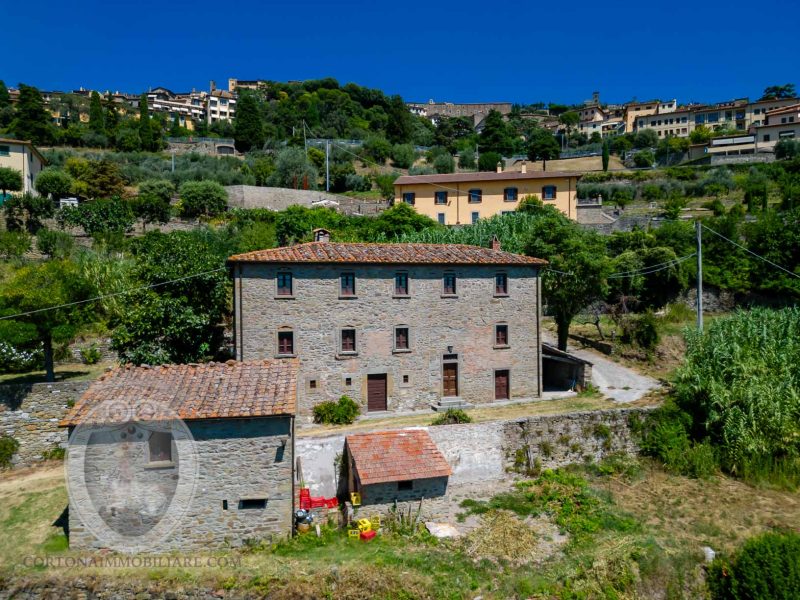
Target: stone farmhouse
x=230, y=478
x=396, y=327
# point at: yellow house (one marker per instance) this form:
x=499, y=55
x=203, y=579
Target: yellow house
x=22, y=156
x=462, y=198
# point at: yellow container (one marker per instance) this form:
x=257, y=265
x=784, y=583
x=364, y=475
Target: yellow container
x=355, y=498
x=364, y=525
x=353, y=533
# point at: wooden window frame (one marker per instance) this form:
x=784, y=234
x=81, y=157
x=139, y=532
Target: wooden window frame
x=410, y=196
x=279, y=290
x=343, y=293
x=505, y=194
x=498, y=343
x=398, y=293
x=348, y=351
x=449, y=292
x=475, y=193
x=160, y=459
x=549, y=187
x=440, y=194
x=278, y=347
x=407, y=347
x=498, y=291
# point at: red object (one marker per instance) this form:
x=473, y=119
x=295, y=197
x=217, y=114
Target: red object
x=331, y=502
x=305, y=493
x=368, y=535
x=317, y=502
x=305, y=498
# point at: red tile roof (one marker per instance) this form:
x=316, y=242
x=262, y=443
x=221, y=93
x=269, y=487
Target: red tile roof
x=406, y=254
x=482, y=176
x=197, y=391
x=396, y=456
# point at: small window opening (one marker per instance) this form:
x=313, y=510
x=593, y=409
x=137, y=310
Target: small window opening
x=252, y=503
x=405, y=485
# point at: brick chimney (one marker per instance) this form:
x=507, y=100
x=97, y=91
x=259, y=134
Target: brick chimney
x=524, y=167
x=495, y=243
x=499, y=166
x=212, y=85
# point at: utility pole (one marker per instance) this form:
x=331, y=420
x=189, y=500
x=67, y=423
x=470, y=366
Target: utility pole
x=173, y=161
x=327, y=166
x=698, y=227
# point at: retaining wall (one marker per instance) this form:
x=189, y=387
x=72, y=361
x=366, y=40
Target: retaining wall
x=30, y=414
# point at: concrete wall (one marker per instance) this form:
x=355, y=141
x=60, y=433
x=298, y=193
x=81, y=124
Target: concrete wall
x=481, y=452
x=251, y=196
x=30, y=414
x=238, y=459
x=316, y=314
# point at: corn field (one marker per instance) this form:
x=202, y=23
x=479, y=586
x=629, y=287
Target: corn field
x=741, y=383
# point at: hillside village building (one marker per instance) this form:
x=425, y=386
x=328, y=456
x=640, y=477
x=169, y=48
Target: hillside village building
x=231, y=478
x=463, y=198
x=393, y=326
x=22, y=156
x=781, y=123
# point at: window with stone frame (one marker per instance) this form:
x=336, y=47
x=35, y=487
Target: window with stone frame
x=284, y=283
x=348, y=341
x=401, y=284
x=501, y=284
x=347, y=285
x=285, y=342
x=449, y=284
x=160, y=446
x=401, y=339
x=501, y=334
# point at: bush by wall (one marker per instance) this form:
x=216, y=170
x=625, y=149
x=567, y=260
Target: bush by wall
x=342, y=412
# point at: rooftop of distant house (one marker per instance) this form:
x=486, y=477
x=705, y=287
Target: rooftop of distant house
x=385, y=456
x=407, y=254
x=482, y=176
x=212, y=390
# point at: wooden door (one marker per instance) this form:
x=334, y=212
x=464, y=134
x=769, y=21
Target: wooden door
x=501, y=385
x=450, y=379
x=376, y=392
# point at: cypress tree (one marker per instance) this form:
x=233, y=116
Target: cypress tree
x=248, y=128
x=605, y=155
x=145, y=129
x=32, y=121
x=96, y=117
x=5, y=97
x=111, y=118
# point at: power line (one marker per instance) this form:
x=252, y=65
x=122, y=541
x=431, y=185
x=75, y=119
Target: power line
x=652, y=268
x=104, y=296
x=766, y=260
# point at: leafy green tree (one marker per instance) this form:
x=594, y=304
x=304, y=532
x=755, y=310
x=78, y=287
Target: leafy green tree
x=450, y=130
x=595, y=138
x=787, y=148
x=248, y=126
x=13, y=244
x=27, y=211
x=643, y=159
x=701, y=135
x=49, y=285
x=776, y=92
x=97, y=121
x=152, y=203
x=496, y=135
x=54, y=183
x=403, y=155
x=377, y=149
x=755, y=190
x=569, y=120
x=606, y=155
x=578, y=267
x=6, y=110
x=645, y=139
x=776, y=237
x=543, y=146
x=294, y=170
x=444, y=163
x=400, y=123
x=400, y=219
x=466, y=159
x=488, y=161
x=385, y=183
x=54, y=243
x=203, y=198
x=10, y=180
x=111, y=119
x=104, y=180
x=102, y=216
x=32, y=121
x=145, y=127
x=180, y=321
x=621, y=144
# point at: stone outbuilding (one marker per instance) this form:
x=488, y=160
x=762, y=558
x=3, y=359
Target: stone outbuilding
x=400, y=465
x=393, y=326
x=210, y=446
x=564, y=371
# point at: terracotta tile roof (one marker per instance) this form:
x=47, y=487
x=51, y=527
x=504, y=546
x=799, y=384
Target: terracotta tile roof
x=198, y=391
x=406, y=254
x=396, y=456
x=481, y=176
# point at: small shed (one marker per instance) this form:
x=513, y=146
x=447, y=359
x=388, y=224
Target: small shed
x=400, y=465
x=564, y=371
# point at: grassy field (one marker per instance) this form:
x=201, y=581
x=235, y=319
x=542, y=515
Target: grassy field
x=624, y=529
x=63, y=372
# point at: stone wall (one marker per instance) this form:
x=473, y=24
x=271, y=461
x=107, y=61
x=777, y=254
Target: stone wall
x=30, y=414
x=272, y=198
x=438, y=325
x=482, y=452
x=238, y=459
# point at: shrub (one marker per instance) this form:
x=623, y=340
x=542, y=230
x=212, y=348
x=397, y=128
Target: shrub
x=385, y=183
x=357, y=183
x=99, y=216
x=91, y=355
x=377, y=149
x=403, y=155
x=466, y=160
x=54, y=243
x=444, y=163
x=8, y=447
x=421, y=170
x=206, y=198
x=342, y=412
x=645, y=331
x=766, y=567
x=16, y=360
x=14, y=244
x=54, y=453
x=643, y=159
x=488, y=161
x=452, y=416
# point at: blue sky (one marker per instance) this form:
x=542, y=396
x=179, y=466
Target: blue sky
x=465, y=52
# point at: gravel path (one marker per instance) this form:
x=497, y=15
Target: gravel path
x=614, y=381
